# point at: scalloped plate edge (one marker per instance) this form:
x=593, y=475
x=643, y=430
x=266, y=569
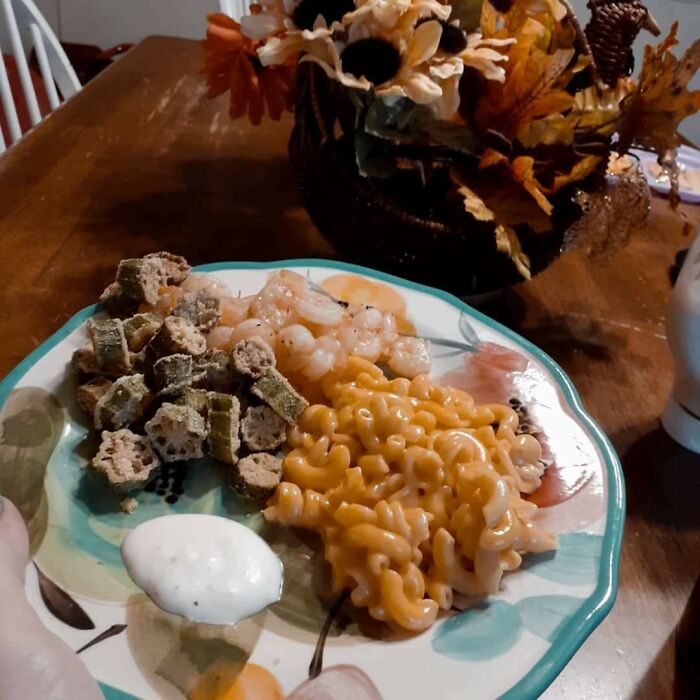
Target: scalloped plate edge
x=600, y=602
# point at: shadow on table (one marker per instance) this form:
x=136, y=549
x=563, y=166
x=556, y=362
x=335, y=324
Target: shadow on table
x=231, y=208
x=655, y=684
x=662, y=478
x=560, y=336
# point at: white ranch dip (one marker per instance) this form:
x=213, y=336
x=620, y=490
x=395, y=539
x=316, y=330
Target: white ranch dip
x=203, y=567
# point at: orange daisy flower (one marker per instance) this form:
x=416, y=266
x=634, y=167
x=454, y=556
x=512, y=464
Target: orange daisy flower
x=231, y=64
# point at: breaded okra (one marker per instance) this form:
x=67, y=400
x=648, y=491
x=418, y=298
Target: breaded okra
x=125, y=459
x=123, y=403
x=177, y=433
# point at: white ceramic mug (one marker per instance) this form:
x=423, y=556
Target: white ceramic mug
x=681, y=419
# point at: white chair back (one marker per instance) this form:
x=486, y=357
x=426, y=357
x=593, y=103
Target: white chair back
x=235, y=8
x=25, y=29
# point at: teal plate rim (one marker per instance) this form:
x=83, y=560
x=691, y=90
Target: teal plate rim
x=600, y=602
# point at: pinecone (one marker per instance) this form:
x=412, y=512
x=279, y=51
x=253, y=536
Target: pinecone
x=613, y=27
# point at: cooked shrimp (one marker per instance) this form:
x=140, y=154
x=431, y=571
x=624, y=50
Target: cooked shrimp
x=368, y=319
x=251, y=327
x=410, y=356
x=274, y=304
x=201, y=282
x=316, y=308
x=167, y=298
x=320, y=363
x=234, y=310
x=364, y=343
x=311, y=333
x=295, y=339
x=388, y=330
x=294, y=346
x=220, y=338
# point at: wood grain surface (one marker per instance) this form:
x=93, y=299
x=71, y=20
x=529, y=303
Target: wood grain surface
x=141, y=161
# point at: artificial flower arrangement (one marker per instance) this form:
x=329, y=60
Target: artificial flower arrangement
x=477, y=119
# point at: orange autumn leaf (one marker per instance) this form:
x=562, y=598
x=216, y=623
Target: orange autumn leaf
x=475, y=205
x=523, y=172
x=595, y=113
x=520, y=170
x=505, y=200
x=653, y=112
x=580, y=170
x=507, y=242
x=231, y=65
x=536, y=73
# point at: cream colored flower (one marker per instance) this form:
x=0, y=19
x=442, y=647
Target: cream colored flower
x=447, y=74
x=478, y=55
x=392, y=20
x=414, y=79
x=277, y=50
x=273, y=16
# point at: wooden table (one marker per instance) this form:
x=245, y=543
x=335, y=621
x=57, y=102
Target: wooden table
x=140, y=160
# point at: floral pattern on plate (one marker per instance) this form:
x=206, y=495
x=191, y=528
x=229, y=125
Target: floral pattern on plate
x=310, y=641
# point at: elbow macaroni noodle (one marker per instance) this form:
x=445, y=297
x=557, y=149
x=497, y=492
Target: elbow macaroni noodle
x=414, y=489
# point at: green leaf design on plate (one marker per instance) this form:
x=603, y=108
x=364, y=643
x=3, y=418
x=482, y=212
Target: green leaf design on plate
x=576, y=561
x=492, y=627
x=111, y=693
x=545, y=615
x=31, y=424
x=488, y=629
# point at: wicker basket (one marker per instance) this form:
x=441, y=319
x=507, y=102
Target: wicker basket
x=392, y=224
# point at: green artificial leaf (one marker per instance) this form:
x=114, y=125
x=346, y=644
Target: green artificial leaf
x=373, y=157
x=402, y=121
x=398, y=120
x=458, y=137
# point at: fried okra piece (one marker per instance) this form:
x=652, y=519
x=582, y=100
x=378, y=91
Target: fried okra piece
x=84, y=361
x=196, y=399
x=214, y=372
x=175, y=268
x=224, y=421
x=125, y=459
x=109, y=344
x=178, y=335
x=118, y=304
x=222, y=402
x=252, y=357
x=172, y=374
x=273, y=389
x=140, y=278
x=256, y=476
x=262, y=429
x=128, y=505
x=177, y=433
x=140, y=329
x=200, y=308
x=123, y=403
x=91, y=392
